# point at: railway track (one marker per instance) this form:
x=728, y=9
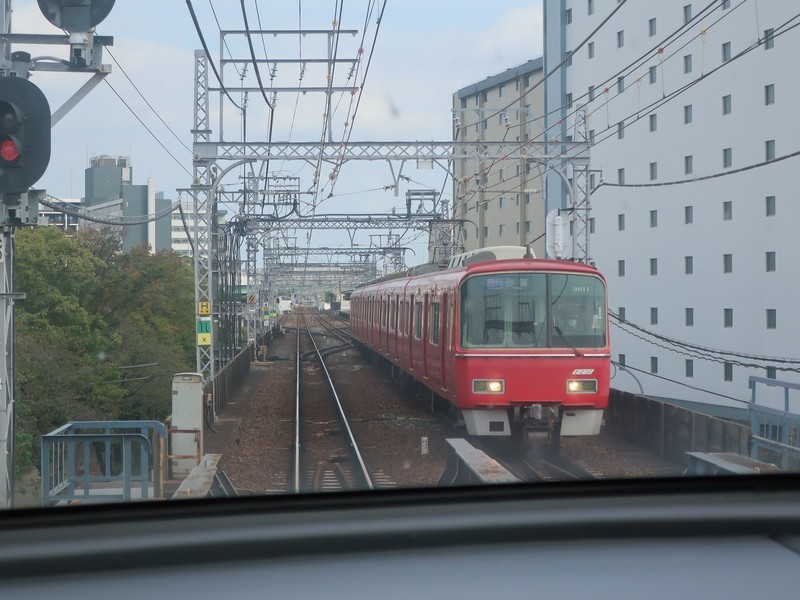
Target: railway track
x=326, y=454
x=533, y=467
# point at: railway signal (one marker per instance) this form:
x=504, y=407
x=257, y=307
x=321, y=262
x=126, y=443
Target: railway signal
x=24, y=134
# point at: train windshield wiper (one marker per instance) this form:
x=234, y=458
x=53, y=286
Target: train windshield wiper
x=563, y=337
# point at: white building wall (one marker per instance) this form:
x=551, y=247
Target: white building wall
x=748, y=235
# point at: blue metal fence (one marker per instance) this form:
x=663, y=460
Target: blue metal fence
x=103, y=461
x=774, y=431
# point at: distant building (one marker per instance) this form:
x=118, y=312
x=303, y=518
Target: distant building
x=53, y=218
x=111, y=193
x=504, y=203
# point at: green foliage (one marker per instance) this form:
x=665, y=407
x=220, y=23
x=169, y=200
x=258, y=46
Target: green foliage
x=89, y=311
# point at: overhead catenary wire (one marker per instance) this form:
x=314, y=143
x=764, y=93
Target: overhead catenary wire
x=95, y=217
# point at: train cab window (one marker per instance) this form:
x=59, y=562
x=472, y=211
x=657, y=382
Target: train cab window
x=434, y=329
x=512, y=310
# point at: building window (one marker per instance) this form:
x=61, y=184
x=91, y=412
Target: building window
x=591, y=93
x=687, y=13
x=727, y=263
x=620, y=130
x=770, y=203
x=620, y=39
x=653, y=122
x=591, y=225
x=690, y=317
x=769, y=38
x=728, y=317
x=502, y=229
x=517, y=226
x=728, y=371
x=653, y=218
x=621, y=359
x=500, y=90
x=726, y=4
x=727, y=210
x=687, y=63
x=485, y=232
x=653, y=266
x=653, y=75
x=569, y=16
x=688, y=165
x=772, y=318
x=772, y=372
x=621, y=313
x=590, y=49
x=621, y=268
x=727, y=157
x=769, y=94
x=590, y=6
x=620, y=84
x=688, y=214
x=687, y=114
x=689, y=367
x=770, y=261
x=654, y=364
x=568, y=100
x=726, y=52
x=651, y=27
x=621, y=222
x=527, y=226
x=769, y=150
x=621, y=176
x=726, y=105
x=653, y=315
x=688, y=264
x=653, y=171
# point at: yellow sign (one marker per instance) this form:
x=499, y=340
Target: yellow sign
x=203, y=339
x=251, y=299
x=204, y=308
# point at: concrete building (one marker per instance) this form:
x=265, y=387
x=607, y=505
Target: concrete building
x=676, y=92
x=503, y=201
x=110, y=192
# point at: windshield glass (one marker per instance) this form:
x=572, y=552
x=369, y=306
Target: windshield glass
x=292, y=248
x=514, y=310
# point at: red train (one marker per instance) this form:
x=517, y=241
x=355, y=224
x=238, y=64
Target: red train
x=512, y=344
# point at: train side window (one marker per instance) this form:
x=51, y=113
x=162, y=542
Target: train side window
x=418, y=320
x=434, y=328
x=392, y=313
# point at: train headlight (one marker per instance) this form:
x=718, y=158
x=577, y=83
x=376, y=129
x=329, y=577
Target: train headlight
x=581, y=386
x=488, y=386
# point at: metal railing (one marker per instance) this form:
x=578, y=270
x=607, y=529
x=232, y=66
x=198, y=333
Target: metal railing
x=774, y=433
x=103, y=461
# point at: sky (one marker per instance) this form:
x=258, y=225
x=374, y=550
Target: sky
x=424, y=51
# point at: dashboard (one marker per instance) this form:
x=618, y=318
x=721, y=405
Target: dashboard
x=734, y=537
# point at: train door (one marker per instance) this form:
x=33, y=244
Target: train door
x=443, y=341
x=411, y=315
x=425, y=336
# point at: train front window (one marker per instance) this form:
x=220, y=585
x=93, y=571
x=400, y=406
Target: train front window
x=512, y=310
x=578, y=309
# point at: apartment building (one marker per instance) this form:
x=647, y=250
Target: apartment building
x=690, y=115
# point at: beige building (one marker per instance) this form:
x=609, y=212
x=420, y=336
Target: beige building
x=501, y=201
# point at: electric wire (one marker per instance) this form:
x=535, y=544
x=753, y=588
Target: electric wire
x=154, y=136
x=208, y=53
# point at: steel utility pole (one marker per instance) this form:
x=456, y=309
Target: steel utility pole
x=25, y=122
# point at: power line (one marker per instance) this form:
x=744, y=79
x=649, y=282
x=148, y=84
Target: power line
x=208, y=53
x=89, y=215
x=150, y=106
x=155, y=137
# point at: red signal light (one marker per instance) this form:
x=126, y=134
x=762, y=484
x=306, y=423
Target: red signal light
x=9, y=153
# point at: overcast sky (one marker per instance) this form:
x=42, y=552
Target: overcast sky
x=425, y=51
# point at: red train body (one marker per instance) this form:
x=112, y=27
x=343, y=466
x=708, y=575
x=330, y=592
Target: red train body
x=514, y=344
